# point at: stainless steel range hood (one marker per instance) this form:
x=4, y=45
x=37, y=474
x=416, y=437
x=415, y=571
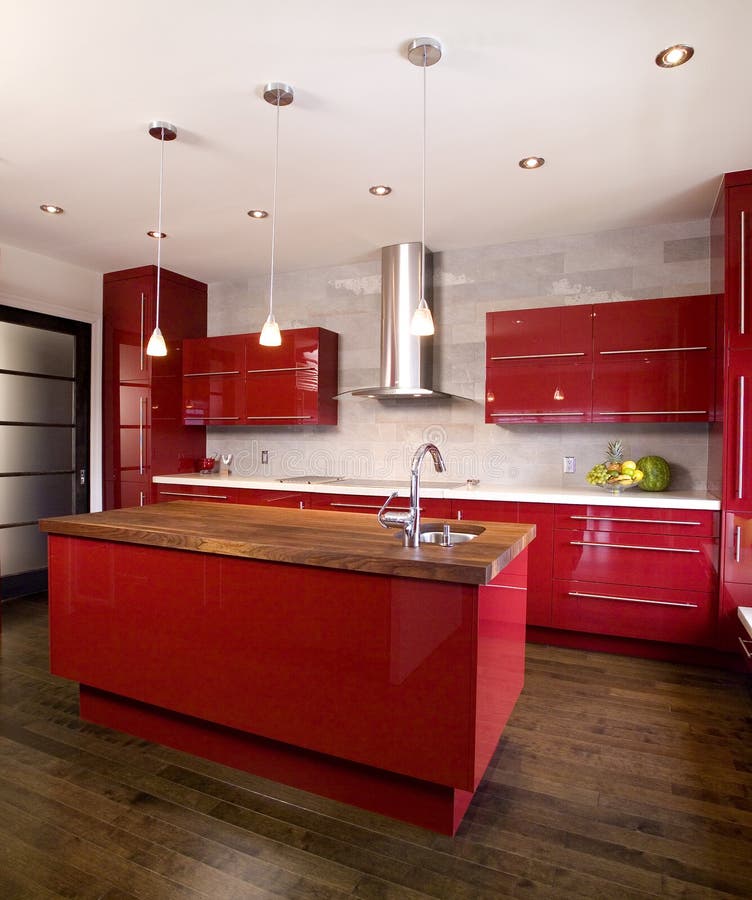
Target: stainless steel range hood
x=406, y=360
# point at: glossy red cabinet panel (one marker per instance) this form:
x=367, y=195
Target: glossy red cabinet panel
x=536, y=392
x=142, y=429
x=485, y=510
x=654, y=326
x=737, y=550
x=738, y=432
x=738, y=254
x=287, y=499
x=213, y=380
x=646, y=613
x=516, y=337
x=642, y=520
x=164, y=493
x=295, y=383
x=433, y=508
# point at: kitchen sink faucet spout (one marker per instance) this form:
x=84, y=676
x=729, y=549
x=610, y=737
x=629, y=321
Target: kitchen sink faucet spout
x=410, y=521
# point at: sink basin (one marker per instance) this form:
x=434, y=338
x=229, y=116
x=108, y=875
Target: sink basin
x=459, y=533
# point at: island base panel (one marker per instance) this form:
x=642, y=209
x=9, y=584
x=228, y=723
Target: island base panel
x=433, y=806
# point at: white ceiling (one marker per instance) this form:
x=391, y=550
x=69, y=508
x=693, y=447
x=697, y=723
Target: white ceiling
x=625, y=143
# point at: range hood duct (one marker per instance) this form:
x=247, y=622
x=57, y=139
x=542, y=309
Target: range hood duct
x=406, y=360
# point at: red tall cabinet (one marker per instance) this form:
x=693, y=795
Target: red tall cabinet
x=143, y=431
x=731, y=260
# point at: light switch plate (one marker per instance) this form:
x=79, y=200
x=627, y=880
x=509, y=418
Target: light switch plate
x=569, y=465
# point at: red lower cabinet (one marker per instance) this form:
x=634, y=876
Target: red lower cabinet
x=433, y=508
x=164, y=493
x=286, y=499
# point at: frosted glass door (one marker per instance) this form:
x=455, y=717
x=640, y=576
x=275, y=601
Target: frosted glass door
x=41, y=473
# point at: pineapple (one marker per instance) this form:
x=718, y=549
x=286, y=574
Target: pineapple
x=615, y=453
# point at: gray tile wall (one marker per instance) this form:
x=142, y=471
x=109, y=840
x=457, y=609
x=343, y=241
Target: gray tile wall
x=377, y=438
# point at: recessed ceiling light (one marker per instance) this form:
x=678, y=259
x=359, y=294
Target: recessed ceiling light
x=675, y=55
x=380, y=190
x=156, y=234
x=51, y=209
x=258, y=213
x=531, y=162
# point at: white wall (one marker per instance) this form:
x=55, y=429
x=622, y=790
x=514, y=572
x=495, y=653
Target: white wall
x=377, y=438
x=41, y=284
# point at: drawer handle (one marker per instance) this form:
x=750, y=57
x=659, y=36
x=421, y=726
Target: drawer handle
x=738, y=544
x=744, y=647
x=537, y=356
x=365, y=506
x=279, y=417
x=181, y=494
x=215, y=418
x=651, y=350
x=531, y=415
x=740, y=447
x=627, y=519
x=743, y=277
x=204, y=374
x=631, y=547
x=631, y=600
x=654, y=412
x=286, y=369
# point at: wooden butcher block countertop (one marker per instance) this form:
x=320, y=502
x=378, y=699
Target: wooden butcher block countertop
x=304, y=537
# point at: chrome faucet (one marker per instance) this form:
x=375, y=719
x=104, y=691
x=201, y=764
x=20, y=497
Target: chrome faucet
x=409, y=521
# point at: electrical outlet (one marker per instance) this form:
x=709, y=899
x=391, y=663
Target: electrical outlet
x=264, y=457
x=569, y=465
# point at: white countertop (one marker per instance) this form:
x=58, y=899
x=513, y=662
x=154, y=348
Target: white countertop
x=745, y=616
x=434, y=488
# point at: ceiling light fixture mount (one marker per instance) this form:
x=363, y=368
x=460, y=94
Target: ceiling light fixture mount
x=531, y=162
x=162, y=131
x=258, y=213
x=675, y=55
x=424, y=52
x=380, y=190
x=278, y=94
x=156, y=234
x=51, y=209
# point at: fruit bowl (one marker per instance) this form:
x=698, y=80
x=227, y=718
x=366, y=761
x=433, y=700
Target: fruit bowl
x=618, y=487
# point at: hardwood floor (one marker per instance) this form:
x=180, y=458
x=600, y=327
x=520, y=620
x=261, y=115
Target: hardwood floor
x=615, y=778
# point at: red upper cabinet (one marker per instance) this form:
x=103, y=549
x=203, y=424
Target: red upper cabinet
x=654, y=360
x=539, y=365
x=736, y=205
x=295, y=383
x=143, y=433
x=214, y=381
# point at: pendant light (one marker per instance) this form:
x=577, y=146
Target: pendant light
x=163, y=131
x=278, y=94
x=425, y=52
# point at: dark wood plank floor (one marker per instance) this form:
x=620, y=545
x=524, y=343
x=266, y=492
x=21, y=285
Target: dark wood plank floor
x=615, y=778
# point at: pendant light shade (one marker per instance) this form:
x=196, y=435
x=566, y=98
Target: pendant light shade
x=278, y=94
x=162, y=131
x=425, y=52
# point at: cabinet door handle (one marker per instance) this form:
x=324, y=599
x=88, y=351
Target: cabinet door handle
x=141, y=435
x=738, y=544
x=743, y=279
x=631, y=599
x=744, y=647
x=286, y=369
x=218, y=418
x=631, y=547
x=650, y=350
x=518, y=414
x=141, y=342
x=368, y=506
x=204, y=374
x=627, y=519
x=654, y=412
x=537, y=356
x=141, y=498
x=740, y=442
x=279, y=417
x=185, y=494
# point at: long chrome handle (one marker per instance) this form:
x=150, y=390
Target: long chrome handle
x=631, y=547
x=740, y=447
x=286, y=369
x=219, y=418
x=141, y=498
x=185, y=494
x=279, y=417
x=650, y=350
x=627, y=519
x=141, y=401
x=141, y=364
x=631, y=599
x=744, y=647
x=368, y=506
x=653, y=412
x=538, y=414
x=743, y=278
x=204, y=374
x=537, y=356
x=738, y=544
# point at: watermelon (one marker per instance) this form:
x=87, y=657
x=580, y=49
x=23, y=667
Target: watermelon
x=657, y=473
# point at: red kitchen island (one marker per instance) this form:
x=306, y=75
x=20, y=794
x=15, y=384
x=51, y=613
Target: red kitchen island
x=306, y=647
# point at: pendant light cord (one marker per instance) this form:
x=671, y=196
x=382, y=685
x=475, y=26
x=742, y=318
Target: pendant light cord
x=159, y=222
x=274, y=210
x=423, y=178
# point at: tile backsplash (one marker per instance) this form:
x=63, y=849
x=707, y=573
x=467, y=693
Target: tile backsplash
x=377, y=438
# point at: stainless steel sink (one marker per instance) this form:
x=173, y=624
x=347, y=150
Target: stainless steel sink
x=448, y=534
